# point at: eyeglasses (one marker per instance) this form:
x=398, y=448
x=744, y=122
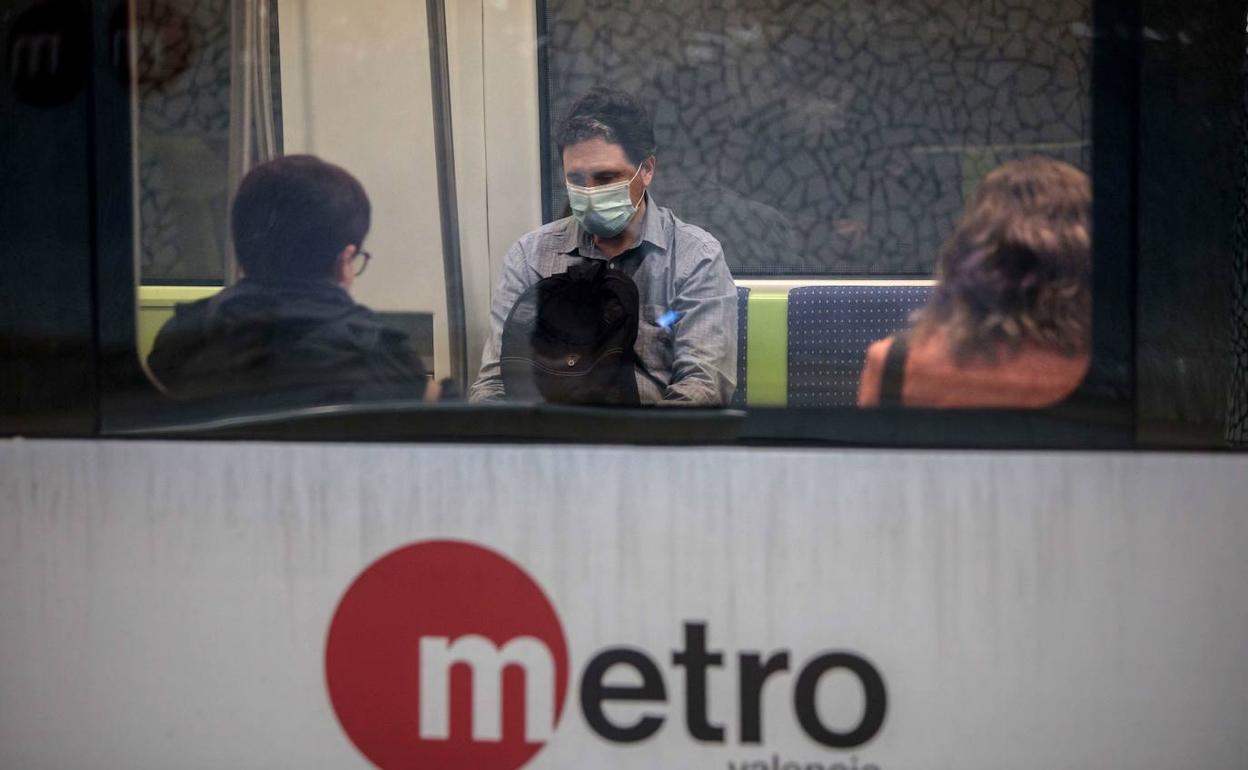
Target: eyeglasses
x=360, y=261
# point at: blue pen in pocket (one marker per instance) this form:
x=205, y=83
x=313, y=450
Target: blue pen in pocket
x=669, y=318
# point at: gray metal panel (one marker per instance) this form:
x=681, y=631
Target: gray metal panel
x=169, y=601
x=444, y=143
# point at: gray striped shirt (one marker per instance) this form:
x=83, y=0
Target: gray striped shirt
x=676, y=266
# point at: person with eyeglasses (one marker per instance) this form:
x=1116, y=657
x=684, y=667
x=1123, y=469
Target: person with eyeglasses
x=290, y=325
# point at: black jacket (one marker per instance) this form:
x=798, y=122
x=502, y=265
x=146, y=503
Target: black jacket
x=255, y=338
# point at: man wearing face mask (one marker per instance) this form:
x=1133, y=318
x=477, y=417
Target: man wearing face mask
x=687, y=335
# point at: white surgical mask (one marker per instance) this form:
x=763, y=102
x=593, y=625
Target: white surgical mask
x=603, y=211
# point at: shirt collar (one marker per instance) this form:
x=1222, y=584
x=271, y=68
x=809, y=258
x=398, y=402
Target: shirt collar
x=656, y=227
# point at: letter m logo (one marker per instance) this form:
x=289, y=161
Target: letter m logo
x=486, y=662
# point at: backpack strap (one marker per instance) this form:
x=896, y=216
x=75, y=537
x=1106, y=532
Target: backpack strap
x=893, y=379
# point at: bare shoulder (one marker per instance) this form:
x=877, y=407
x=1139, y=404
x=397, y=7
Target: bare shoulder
x=872, y=372
x=878, y=351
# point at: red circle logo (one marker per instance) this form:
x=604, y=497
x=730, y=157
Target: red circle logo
x=445, y=654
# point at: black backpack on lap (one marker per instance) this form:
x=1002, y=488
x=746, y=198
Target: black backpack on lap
x=570, y=339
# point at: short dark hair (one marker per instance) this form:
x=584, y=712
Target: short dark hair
x=293, y=216
x=611, y=114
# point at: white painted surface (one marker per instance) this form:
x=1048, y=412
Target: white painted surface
x=356, y=91
x=512, y=124
x=164, y=605
x=465, y=54
x=493, y=66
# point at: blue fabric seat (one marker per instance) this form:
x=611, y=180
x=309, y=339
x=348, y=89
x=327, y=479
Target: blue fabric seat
x=830, y=329
x=743, y=305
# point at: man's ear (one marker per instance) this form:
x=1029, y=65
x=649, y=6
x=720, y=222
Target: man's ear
x=647, y=169
x=343, y=272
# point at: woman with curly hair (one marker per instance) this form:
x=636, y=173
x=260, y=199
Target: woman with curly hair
x=1009, y=321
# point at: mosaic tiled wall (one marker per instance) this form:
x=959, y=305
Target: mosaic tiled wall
x=184, y=87
x=831, y=136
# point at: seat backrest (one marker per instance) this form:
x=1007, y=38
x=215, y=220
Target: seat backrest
x=830, y=329
x=743, y=306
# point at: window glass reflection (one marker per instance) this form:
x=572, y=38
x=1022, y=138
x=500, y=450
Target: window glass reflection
x=748, y=204
x=298, y=225
x=837, y=137
x=224, y=88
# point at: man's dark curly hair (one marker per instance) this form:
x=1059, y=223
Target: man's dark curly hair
x=613, y=115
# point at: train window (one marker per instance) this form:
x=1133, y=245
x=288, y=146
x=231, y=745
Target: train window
x=188, y=143
x=857, y=204
x=834, y=137
x=223, y=87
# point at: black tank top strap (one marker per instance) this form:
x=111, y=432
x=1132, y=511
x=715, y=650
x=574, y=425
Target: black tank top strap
x=893, y=379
